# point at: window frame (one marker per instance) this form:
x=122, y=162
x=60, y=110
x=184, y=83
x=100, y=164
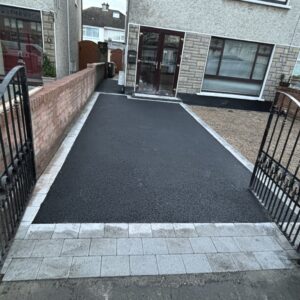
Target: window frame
x=257, y=54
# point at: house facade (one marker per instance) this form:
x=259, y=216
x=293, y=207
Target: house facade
x=101, y=24
x=34, y=27
x=223, y=48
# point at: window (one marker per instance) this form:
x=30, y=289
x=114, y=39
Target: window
x=115, y=35
x=91, y=32
x=116, y=15
x=236, y=67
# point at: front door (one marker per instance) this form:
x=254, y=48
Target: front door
x=159, y=61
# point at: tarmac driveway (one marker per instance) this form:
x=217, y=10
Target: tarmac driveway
x=148, y=162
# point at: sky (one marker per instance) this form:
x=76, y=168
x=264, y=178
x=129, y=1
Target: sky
x=113, y=4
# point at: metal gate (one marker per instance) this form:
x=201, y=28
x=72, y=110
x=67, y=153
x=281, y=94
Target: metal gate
x=275, y=180
x=17, y=168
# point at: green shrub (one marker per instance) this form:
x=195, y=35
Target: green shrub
x=48, y=67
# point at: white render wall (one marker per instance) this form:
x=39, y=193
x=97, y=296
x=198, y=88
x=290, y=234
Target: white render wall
x=229, y=18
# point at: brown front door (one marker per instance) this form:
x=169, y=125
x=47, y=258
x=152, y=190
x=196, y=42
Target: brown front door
x=159, y=61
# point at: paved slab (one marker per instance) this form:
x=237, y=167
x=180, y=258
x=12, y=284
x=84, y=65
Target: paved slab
x=94, y=256
x=142, y=162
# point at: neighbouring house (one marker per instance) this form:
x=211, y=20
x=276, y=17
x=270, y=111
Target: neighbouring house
x=235, y=49
x=34, y=27
x=102, y=24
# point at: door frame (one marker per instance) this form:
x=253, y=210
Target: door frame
x=159, y=56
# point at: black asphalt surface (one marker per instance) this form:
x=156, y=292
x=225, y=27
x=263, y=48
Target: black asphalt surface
x=140, y=162
x=110, y=86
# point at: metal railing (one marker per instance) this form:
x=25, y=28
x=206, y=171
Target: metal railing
x=17, y=168
x=276, y=177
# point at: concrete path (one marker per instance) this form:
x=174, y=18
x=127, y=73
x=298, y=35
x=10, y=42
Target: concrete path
x=84, y=250
x=253, y=285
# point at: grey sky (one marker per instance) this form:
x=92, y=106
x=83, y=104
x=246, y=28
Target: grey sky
x=114, y=4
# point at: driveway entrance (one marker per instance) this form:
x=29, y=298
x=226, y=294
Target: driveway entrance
x=148, y=162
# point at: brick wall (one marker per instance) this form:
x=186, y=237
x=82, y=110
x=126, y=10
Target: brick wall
x=48, y=32
x=193, y=63
x=56, y=105
x=133, y=41
x=284, y=60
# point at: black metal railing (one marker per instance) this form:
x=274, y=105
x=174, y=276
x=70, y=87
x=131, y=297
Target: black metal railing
x=276, y=177
x=17, y=168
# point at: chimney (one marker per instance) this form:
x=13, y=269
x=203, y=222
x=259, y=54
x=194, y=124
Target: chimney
x=105, y=6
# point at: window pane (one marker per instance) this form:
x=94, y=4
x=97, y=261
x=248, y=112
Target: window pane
x=260, y=68
x=6, y=22
x=231, y=87
x=213, y=62
x=238, y=59
x=216, y=43
x=265, y=49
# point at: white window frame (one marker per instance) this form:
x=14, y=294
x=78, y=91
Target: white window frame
x=286, y=6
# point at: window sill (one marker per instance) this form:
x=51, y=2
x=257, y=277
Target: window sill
x=284, y=6
x=231, y=96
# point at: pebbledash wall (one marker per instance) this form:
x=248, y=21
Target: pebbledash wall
x=246, y=20
x=54, y=107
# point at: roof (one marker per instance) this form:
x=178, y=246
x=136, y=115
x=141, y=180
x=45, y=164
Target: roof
x=95, y=16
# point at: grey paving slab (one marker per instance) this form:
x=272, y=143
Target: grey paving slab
x=22, y=231
x=225, y=244
x=283, y=242
x=162, y=230
x=155, y=246
x=185, y=230
x=269, y=260
x=55, y=267
x=21, y=248
x=221, y=262
x=179, y=245
x=140, y=230
x=286, y=259
x=247, y=229
x=85, y=267
x=257, y=243
x=170, y=264
x=226, y=229
x=196, y=263
x=47, y=248
x=66, y=231
x=245, y=261
x=91, y=231
x=40, y=231
x=206, y=229
x=267, y=228
x=76, y=247
x=203, y=245
x=116, y=230
x=143, y=265
x=30, y=213
x=6, y=265
x=115, y=266
x=104, y=246
x=129, y=246
x=22, y=269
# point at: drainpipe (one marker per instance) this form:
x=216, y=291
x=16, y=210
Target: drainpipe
x=68, y=27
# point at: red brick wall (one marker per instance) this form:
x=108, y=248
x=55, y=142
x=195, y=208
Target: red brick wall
x=56, y=105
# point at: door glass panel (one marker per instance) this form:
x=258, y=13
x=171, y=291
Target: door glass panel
x=169, y=64
x=148, y=63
